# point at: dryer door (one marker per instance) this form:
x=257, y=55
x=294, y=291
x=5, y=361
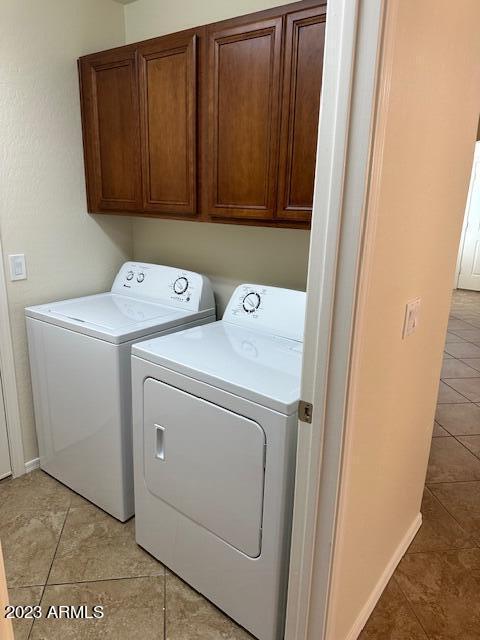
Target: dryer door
x=206, y=462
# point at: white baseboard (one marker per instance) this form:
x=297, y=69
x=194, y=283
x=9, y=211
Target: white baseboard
x=365, y=613
x=31, y=465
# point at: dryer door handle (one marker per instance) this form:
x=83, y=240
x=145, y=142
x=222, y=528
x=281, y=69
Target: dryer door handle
x=159, y=442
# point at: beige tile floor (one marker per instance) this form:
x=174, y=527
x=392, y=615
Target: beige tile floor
x=435, y=591
x=60, y=549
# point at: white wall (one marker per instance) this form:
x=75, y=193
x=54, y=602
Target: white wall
x=229, y=254
x=42, y=196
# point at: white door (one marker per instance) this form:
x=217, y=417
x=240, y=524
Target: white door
x=469, y=277
x=5, y=468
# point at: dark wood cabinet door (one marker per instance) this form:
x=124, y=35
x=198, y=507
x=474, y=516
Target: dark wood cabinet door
x=167, y=80
x=109, y=94
x=243, y=119
x=302, y=81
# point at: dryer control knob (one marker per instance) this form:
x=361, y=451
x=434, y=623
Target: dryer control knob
x=251, y=302
x=140, y=277
x=130, y=275
x=180, y=285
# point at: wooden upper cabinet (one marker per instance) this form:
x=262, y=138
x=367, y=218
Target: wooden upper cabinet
x=167, y=83
x=216, y=123
x=243, y=115
x=302, y=81
x=110, y=112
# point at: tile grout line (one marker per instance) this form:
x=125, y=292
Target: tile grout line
x=451, y=315
x=450, y=514
x=438, y=404
x=458, y=434
x=66, y=584
x=477, y=542
x=51, y=564
x=428, y=483
x=444, y=380
x=416, y=553
x=459, y=361
x=453, y=389
x=457, y=335
x=410, y=606
x=456, y=317
x=467, y=449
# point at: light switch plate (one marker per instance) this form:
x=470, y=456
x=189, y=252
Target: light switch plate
x=412, y=313
x=18, y=268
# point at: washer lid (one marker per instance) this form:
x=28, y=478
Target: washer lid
x=260, y=367
x=111, y=311
x=109, y=316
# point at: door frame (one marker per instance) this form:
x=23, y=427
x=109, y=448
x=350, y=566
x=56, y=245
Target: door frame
x=349, y=96
x=3, y=430
x=8, y=379
x=461, y=246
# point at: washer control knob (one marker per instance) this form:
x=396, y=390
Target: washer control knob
x=180, y=285
x=251, y=302
x=141, y=277
x=130, y=275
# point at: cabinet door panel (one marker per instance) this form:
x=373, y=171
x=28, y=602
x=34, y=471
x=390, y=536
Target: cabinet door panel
x=168, y=124
x=304, y=45
x=243, y=112
x=111, y=132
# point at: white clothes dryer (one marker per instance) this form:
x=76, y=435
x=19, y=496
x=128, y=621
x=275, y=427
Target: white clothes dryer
x=81, y=376
x=215, y=430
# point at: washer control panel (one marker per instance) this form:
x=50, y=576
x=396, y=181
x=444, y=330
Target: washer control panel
x=168, y=285
x=272, y=310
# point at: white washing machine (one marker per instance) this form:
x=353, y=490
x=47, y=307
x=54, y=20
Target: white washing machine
x=215, y=429
x=81, y=376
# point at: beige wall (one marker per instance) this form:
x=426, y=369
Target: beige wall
x=415, y=217
x=42, y=197
x=151, y=18
x=228, y=254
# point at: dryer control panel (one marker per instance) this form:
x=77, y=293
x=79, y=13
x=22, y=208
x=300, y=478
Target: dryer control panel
x=279, y=312
x=166, y=285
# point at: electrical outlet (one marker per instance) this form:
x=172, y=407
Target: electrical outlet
x=412, y=313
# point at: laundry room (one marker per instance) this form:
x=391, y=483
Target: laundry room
x=71, y=359
x=187, y=214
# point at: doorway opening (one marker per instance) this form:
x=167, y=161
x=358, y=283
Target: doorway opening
x=468, y=264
